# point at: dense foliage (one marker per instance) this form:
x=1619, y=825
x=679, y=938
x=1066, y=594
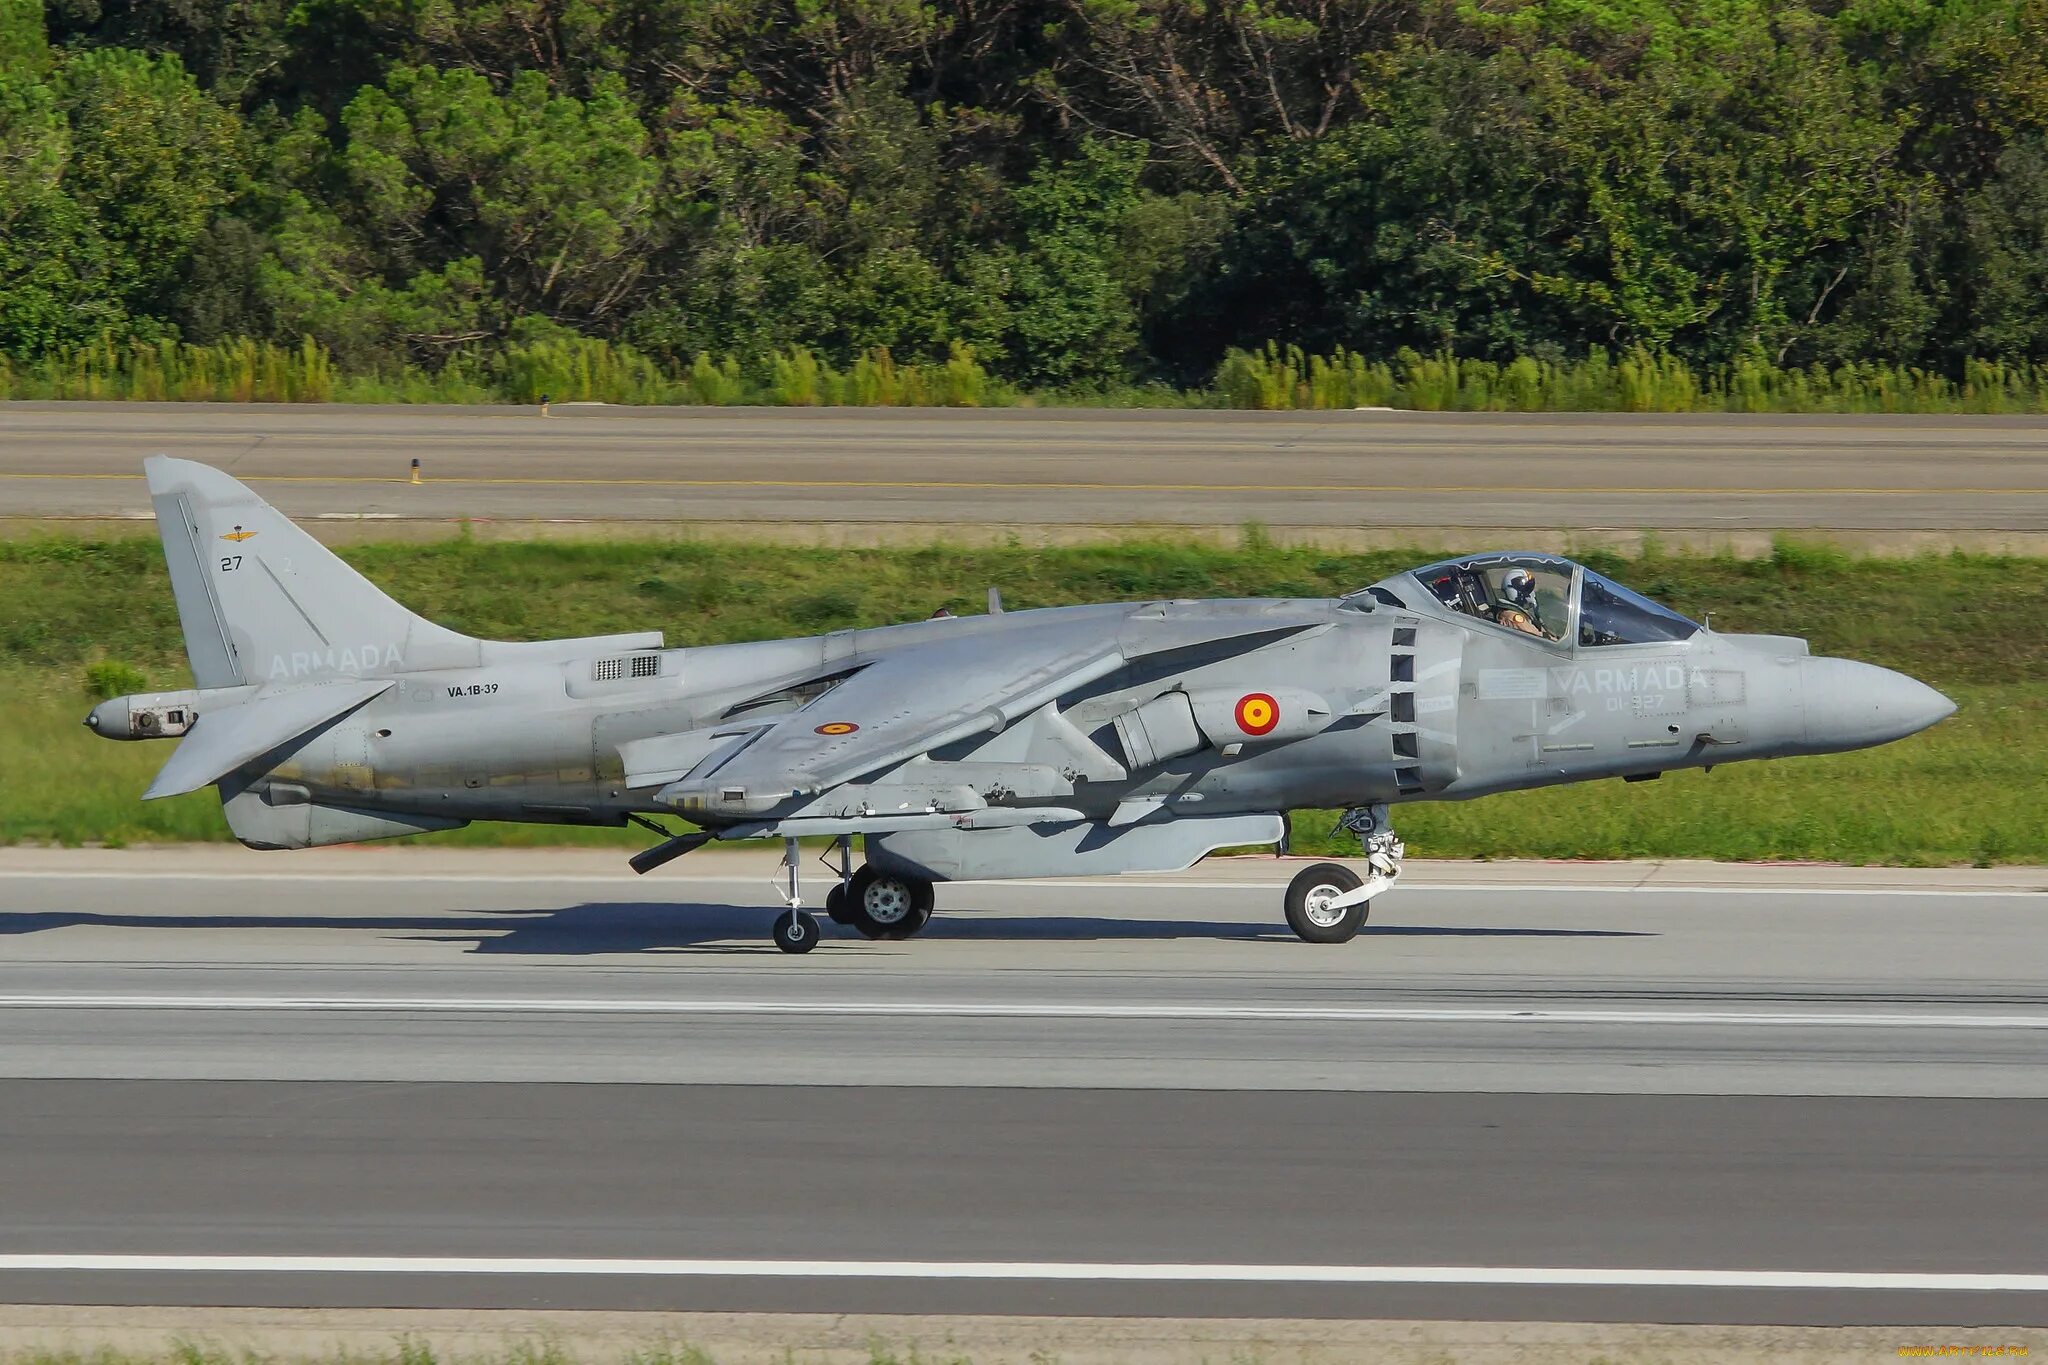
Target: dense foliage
x=1067, y=194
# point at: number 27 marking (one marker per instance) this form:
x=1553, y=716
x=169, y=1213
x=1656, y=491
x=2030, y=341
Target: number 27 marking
x=230, y=563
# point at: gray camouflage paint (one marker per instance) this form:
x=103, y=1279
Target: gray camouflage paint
x=1067, y=740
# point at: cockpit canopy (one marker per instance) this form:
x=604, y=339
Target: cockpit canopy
x=1546, y=596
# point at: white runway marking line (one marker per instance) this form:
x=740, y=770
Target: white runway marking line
x=1335, y=1014
x=1039, y=883
x=1883, y=1281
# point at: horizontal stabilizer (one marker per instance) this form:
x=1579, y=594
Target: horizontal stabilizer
x=221, y=741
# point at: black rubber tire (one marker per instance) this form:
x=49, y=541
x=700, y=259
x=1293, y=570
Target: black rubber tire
x=886, y=906
x=835, y=904
x=856, y=890
x=1319, y=881
x=925, y=897
x=796, y=931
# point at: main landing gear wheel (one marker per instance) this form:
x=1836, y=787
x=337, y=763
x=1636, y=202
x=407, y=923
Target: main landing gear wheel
x=884, y=905
x=835, y=904
x=1310, y=913
x=796, y=931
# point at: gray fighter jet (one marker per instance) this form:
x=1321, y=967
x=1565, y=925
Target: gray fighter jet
x=1070, y=741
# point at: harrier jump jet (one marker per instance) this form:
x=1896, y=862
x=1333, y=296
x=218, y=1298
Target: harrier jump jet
x=1070, y=741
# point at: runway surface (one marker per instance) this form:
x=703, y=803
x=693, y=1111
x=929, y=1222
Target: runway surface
x=1561, y=1097
x=883, y=473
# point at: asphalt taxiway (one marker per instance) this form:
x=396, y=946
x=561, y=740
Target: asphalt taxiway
x=485, y=1079
x=881, y=474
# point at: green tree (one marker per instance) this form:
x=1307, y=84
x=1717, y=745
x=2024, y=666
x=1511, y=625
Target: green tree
x=1425, y=224
x=24, y=44
x=152, y=161
x=1082, y=191
x=1072, y=319
x=449, y=208
x=110, y=169
x=555, y=196
x=236, y=49
x=53, y=290
x=1726, y=190
x=1204, y=83
x=2006, y=234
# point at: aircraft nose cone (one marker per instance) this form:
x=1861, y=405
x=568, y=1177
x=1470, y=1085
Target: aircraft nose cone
x=1851, y=705
x=100, y=719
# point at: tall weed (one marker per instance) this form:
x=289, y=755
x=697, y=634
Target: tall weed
x=561, y=368
x=1637, y=380
x=564, y=367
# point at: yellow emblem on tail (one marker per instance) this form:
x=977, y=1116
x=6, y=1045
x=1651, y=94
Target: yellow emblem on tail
x=238, y=534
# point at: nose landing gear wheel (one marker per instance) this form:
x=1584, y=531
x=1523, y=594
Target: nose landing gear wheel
x=884, y=905
x=796, y=931
x=1310, y=913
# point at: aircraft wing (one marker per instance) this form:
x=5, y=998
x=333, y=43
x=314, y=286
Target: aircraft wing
x=905, y=703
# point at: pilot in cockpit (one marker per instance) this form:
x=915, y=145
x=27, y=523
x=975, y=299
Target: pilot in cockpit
x=1517, y=608
x=1541, y=596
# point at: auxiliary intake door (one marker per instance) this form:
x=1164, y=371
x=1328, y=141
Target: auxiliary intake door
x=1423, y=663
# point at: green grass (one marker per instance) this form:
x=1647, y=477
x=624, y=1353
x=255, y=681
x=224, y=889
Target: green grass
x=83, y=614
x=1953, y=618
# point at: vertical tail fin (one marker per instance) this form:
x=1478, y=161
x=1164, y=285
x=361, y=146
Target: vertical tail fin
x=260, y=601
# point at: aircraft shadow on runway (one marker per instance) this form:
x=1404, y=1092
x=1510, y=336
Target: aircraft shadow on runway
x=601, y=927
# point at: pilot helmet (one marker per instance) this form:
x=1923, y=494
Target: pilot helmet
x=1518, y=586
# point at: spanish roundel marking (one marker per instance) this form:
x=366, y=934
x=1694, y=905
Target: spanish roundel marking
x=837, y=727
x=1257, y=713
